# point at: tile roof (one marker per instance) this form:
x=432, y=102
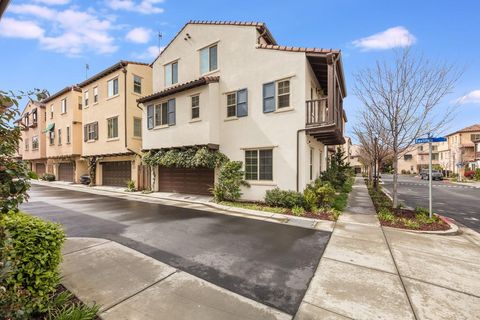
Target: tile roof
x=179, y=88
x=61, y=92
x=472, y=128
x=296, y=49
x=115, y=67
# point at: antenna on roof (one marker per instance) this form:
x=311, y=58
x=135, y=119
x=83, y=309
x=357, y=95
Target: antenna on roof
x=160, y=36
x=87, y=67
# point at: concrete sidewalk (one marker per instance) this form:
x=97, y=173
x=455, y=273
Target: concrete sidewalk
x=129, y=285
x=370, y=272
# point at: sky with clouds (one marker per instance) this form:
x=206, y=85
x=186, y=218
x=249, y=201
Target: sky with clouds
x=47, y=43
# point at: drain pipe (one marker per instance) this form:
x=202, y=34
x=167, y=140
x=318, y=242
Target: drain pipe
x=298, y=156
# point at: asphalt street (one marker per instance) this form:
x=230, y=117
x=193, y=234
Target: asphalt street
x=268, y=262
x=458, y=202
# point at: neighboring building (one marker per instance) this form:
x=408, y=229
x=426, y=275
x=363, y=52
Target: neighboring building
x=462, y=148
x=477, y=152
x=64, y=134
x=33, y=145
x=112, y=121
x=407, y=163
x=423, y=156
x=354, y=158
x=229, y=86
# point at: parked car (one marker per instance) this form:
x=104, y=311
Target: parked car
x=436, y=174
x=85, y=179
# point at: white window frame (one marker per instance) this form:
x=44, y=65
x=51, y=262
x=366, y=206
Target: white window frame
x=59, y=137
x=230, y=105
x=85, y=98
x=52, y=108
x=197, y=106
x=68, y=134
x=95, y=94
x=140, y=126
x=258, y=152
x=63, y=104
x=35, y=139
x=209, y=67
x=111, y=127
x=160, y=114
x=139, y=85
x=169, y=75
x=111, y=83
x=278, y=94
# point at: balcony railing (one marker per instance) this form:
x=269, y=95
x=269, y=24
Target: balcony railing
x=317, y=112
x=324, y=122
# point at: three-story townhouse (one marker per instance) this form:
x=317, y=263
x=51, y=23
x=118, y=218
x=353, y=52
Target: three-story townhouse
x=64, y=134
x=33, y=144
x=228, y=86
x=112, y=121
x=462, y=148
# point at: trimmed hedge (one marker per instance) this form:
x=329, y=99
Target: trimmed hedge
x=284, y=198
x=32, y=249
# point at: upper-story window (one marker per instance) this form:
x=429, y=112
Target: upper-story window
x=79, y=101
x=276, y=95
x=85, y=98
x=59, y=137
x=475, y=137
x=137, y=84
x=34, y=116
x=237, y=103
x=208, y=59
x=195, y=107
x=68, y=135
x=35, y=143
x=171, y=73
x=26, y=144
x=112, y=125
x=51, y=111
x=420, y=148
x=95, y=94
x=51, y=137
x=112, y=87
x=137, y=127
x=161, y=114
x=26, y=120
x=64, y=105
x=90, y=131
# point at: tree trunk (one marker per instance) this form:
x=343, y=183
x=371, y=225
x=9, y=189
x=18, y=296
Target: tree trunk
x=395, y=180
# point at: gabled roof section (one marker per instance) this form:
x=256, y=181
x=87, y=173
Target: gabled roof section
x=472, y=128
x=296, y=49
x=61, y=92
x=261, y=27
x=119, y=65
x=179, y=88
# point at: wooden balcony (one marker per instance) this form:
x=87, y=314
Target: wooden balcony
x=323, y=123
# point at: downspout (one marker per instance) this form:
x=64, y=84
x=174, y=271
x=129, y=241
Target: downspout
x=298, y=157
x=124, y=70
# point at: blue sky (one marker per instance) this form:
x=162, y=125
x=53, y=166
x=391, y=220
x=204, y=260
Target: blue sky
x=46, y=43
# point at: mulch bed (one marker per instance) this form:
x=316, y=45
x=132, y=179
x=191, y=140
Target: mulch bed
x=438, y=225
x=313, y=215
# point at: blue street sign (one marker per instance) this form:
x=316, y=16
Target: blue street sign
x=426, y=140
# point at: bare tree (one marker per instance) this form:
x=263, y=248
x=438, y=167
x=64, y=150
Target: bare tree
x=403, y=97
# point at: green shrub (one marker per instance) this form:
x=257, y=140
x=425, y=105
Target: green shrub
x=411, y=224
x=131, y=186
x=422, y=211
x=298, y=211
x=477, y=175
x=326, y=194
x=386, y=215
x=334, y=213
x=338, y=170
x=284, y=198
x=311, y=199
x=33, y=253
x=48, y=177
x=230, y=179
x=32, y=175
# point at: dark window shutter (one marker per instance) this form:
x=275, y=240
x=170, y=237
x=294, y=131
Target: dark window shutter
x=269, y=97
x=85, y=133
x=150, y=114
x=242, y=103
x=95, y=129
x=171, y=112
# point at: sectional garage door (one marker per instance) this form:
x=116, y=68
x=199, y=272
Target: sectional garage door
x=65, y=172
x=40, y=169
x=116, y=173
x=185, y=180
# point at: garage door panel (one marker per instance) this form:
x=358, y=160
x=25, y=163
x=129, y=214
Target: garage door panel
x=65, y=172
x=40, y=169
x=186, y=180
x=116, y=173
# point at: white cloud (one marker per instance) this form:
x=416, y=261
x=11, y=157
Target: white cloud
x=139, y=35
x=142, y=6
x=471, y=97
x=53, y=2
x=31, y=9
x=13, y=28
x=388, y=39
x=149, y=54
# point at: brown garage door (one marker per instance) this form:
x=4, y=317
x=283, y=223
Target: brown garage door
x=116, y=173
x=184, y=180
x=40, y=169
x=65, y=172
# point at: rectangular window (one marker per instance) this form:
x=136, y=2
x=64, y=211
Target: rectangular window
x=51, y=136
x=283, y=89
x=231, y=104
x=259, y=164
x=311, y=164
x=34, y=116
x=59, y=137
x=95, y=94
x=276, y=95
x=195, y=107
x=434, y=156
x=137, y=84
x=34, y=143
x=85, y=98
x=150, y=116
x=475, y=137
x=26, y=145
x=208, y=59
x=90, y=131
x=112, y=125
x=51, y=111
x=79, y=103
x=171, y=73
x=161, y=112
x=407, y=157
x=237, y=104
x=68, y=135
x=112, y=87
x=64, y=105
x=137, y=127
x=269, y=97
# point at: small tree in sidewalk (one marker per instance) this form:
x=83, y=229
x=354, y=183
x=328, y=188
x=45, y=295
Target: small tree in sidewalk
x=404, y=98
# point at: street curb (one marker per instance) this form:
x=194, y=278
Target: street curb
x=246, y=213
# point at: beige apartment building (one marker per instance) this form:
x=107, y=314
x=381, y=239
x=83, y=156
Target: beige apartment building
x=112, y=121
x=229, y=86
x=462, y=148
x=63, y=132
x=33, y=146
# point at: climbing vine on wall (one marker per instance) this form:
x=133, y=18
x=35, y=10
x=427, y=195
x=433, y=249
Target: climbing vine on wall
x=185, y=158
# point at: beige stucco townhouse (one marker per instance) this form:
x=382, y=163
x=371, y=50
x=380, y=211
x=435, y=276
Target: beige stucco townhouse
x=63, y=131
x=33, y=145
x=229, y=86
x=112, y=121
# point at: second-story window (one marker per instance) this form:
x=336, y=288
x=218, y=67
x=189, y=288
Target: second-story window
x=85, y=98
x=208, y=59
x=276, y=95
x=137, y=127
x=51, y=111
x=195, y=107
x=26, y=120
x=95, y=94
x=165, y=113
x=137, y=84
x=171, y=73
x=90, y=131
x=112, y=125
x=64, y=105
x=59, y=137
x=34, y=116
x=112, y=87
x=51, y=136
x=26, y=144
x=237, y=103
x=68, y=135
x=35, y=143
